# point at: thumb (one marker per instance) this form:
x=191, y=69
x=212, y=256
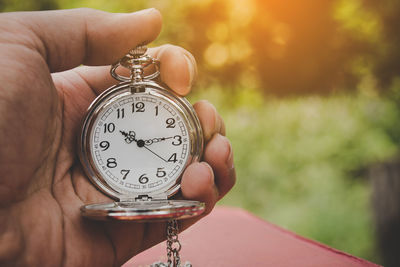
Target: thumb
x=69, y=38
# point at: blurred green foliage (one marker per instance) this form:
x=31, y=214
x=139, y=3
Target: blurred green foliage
x=300, y=160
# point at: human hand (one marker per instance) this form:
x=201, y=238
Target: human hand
x=43, y=98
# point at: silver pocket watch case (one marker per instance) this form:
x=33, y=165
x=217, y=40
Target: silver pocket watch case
x=136, y=200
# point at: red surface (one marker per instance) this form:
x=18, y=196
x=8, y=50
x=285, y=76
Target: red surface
x=234, y=237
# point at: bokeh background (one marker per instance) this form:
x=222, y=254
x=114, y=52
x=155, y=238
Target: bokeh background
x=310, y=92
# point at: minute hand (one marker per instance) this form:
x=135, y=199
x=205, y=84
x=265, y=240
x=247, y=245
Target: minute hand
x=156, y=140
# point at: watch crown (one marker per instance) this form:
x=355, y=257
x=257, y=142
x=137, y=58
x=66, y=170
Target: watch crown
x=138, y=51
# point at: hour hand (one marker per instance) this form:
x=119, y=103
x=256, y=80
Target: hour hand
x=129, y=136
x=149, y=142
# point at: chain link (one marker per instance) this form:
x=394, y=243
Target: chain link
x=173, y=247
x=173, y=244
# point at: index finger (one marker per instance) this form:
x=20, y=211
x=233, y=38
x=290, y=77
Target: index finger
x=177, y=66
x=177, y=69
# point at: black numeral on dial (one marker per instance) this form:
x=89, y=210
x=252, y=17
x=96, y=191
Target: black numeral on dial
x=160, y=172
x=143, y=179
x=109, y=127
x=172, y=158
x=170, y=123
x=104, y=145
x=111, y=163
x=124, y=173
x=138, y=107
x=120, y=113
x=177, y=141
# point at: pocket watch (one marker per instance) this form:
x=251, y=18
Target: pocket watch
x=136, y=140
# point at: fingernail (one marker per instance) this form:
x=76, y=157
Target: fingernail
x=209, y=168
x=151, y=12
x=191, y=69
x=229, y=161
x=147, y=10
x=207, y=165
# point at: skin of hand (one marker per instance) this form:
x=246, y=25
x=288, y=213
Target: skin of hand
x=53, y=64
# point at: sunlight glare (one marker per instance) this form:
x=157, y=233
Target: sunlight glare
x=216, y=54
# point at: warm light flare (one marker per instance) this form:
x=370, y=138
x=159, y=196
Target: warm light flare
x=219, y=32
x=240, y=50
x=216, y=54
x=241, y=12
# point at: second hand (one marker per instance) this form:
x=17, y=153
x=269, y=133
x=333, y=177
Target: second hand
x=154, y=153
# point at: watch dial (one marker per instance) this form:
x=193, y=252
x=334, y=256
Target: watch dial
x=139, y=143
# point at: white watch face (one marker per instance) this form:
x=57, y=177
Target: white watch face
x=139, y=144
